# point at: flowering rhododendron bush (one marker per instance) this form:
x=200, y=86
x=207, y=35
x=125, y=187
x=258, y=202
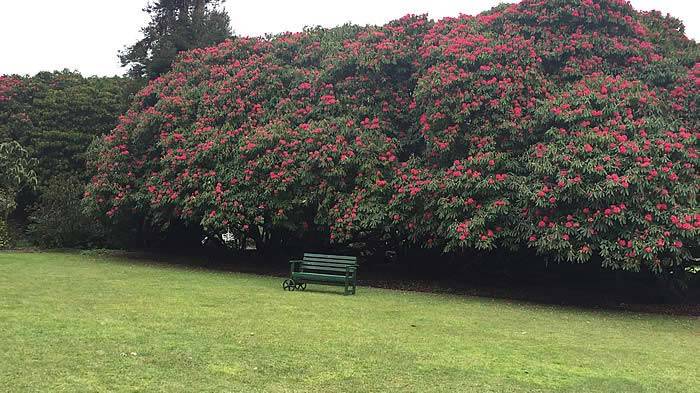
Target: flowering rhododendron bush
x=567, y=126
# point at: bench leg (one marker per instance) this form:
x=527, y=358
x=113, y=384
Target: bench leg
x=350, y=288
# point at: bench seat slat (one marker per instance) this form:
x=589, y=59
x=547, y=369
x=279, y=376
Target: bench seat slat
x=318, y=277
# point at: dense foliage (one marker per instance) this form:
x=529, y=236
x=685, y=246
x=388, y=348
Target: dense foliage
x=55, y=116
x=56, y=219
x=567, y=126
x=15, y=172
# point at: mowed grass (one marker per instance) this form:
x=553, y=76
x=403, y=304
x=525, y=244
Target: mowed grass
x=77, y=323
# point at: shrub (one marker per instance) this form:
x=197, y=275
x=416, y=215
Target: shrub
x=567, y=126
x=55, y=116
x=15, y=172
x=57, y=220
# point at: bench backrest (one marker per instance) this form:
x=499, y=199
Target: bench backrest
x=330, y=264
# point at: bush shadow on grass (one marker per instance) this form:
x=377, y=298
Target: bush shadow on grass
x=488, y=276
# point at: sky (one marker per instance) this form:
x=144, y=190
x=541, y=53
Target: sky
x=86, y=35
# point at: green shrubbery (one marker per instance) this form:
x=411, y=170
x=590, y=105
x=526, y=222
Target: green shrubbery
x=16, y=170
x=54, y=117
x=57, y=219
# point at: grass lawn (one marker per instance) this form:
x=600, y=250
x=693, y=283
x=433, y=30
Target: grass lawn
x=77, y=323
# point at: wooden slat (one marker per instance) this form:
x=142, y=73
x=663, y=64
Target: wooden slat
x=330, y=255
x=329, y=268
x=319, y=263
x=320, y=278
x=326, y=256
x=335, y=263
x=306, y=275
x=329, y=262
x=329, y=258
x=323, y=269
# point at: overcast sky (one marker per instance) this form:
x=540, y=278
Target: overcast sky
x=85, y=35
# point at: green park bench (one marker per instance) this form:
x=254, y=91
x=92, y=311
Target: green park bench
x=340, y=270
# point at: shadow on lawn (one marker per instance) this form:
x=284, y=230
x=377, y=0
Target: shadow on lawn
x=563, y=285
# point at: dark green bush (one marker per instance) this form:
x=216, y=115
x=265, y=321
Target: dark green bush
x=56, y=219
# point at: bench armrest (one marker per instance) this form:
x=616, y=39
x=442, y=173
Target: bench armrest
x=293, y=266
x=350, y=270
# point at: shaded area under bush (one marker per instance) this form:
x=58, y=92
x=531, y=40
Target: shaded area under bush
x=519, y=277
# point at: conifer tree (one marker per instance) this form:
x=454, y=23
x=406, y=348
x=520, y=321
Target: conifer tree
x=176, y=25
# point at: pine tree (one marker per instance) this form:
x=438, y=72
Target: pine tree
x=176, y=25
